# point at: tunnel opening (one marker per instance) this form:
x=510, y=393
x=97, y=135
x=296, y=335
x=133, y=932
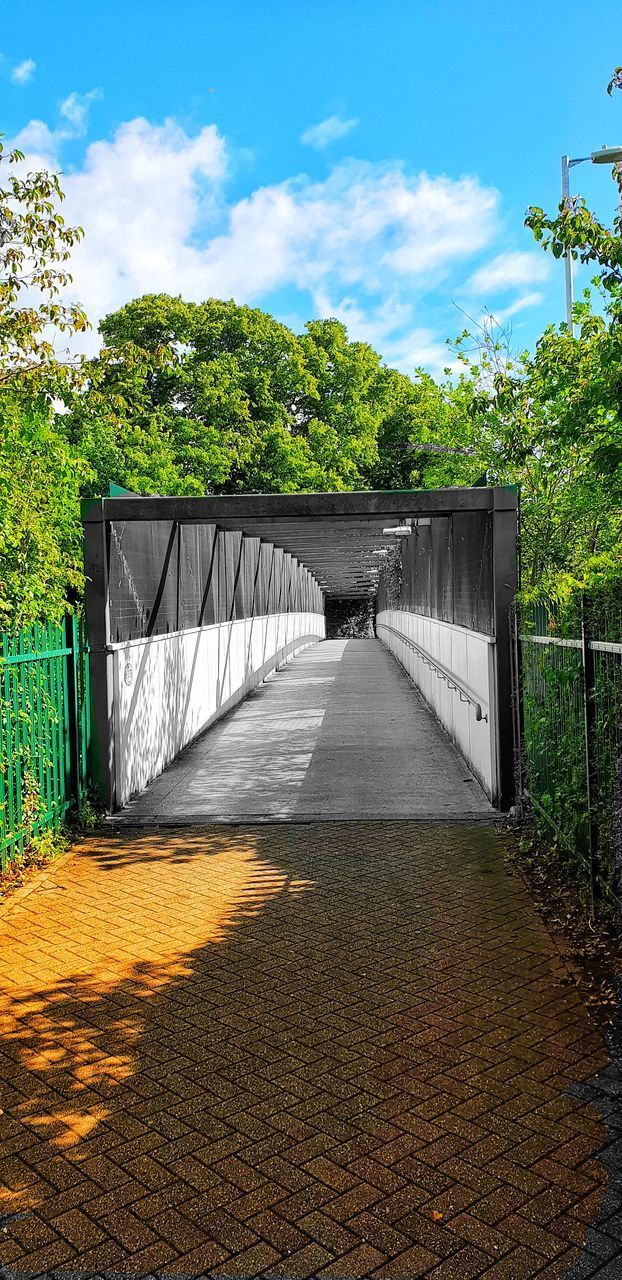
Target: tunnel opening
x=349, y=618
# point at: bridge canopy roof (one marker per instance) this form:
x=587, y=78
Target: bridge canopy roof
x=338, y=536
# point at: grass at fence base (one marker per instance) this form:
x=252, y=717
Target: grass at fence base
x=39, y=853
x=46, y=847
x=558, y=749
x=592, y=948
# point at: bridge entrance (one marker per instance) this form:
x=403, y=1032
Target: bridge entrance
x=338, y=733
x=193, y=602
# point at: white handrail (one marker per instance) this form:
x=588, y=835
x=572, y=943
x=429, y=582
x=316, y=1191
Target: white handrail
x=442, y=673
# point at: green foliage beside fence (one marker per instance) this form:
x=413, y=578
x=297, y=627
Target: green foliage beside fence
x=603, y=617
x=45, y=731
x=571, y=757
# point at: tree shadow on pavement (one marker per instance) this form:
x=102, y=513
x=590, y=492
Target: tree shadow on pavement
x=337, y=1048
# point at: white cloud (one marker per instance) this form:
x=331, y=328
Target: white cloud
x=39, y=143
x=366, y=244
x=445, y=220
x=22, y=73
x=369, y=225
x=43, y=145
x=521, y=304
x=508, y=270
x=141, y=198
x=330, y=130
x=391, y=329
x=75, y=109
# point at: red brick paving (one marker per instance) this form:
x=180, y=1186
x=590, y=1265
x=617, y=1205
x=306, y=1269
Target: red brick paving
x=294, y=1051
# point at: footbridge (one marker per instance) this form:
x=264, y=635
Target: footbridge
x=219, y=696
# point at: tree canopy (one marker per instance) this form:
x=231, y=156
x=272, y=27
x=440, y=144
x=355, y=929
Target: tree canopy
x=551, y=422
x=217, y=397
x=40, y=475
x=35, y=246
x=40, y=534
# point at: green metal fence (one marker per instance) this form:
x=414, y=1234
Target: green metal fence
x=570, y=757
x=44, y=730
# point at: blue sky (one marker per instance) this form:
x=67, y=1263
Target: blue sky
x=370, y=159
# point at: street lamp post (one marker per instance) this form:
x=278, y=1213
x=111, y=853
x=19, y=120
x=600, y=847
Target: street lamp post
x=566, y=163
x=606, y=155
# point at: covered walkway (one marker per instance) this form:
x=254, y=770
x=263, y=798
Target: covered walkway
x=192, y=602
x=338, y=733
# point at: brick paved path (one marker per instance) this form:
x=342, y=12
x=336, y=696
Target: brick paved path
x=326, y=1050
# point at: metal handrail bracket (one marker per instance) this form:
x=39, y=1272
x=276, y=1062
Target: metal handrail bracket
x=452, y=681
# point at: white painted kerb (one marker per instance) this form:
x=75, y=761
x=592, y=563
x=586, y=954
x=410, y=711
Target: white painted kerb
x=170, y=688
x=470, y=655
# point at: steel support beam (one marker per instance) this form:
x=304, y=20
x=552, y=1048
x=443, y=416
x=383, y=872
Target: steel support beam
x=241, y=508
x=96, y=599
x=505, y=584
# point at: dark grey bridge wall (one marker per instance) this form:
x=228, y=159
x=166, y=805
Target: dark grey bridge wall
x=447, y=571
x=166, y=576
x=461, y=567
x=331, y=506
x=148, y=577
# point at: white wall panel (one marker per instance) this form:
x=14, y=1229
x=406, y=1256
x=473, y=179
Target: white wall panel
x=170, y=688
x=470, y=656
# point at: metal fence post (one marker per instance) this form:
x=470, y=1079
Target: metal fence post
x=518, y=707
x=504, y=593
x=587, y=670
x=96, y=563
x=73, y=706
x=178, y=579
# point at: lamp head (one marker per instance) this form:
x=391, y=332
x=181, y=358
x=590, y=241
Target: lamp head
x=607, y=155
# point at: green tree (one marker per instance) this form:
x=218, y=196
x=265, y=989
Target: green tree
x=40, y=532
x=35, y=245
x=216, y=397
x=194, y=398
x=576, y=385
x=40, y=475
x=550, y=421
x=344, y=409
x=425, y=439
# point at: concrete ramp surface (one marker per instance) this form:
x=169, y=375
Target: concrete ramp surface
x=338, y=733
